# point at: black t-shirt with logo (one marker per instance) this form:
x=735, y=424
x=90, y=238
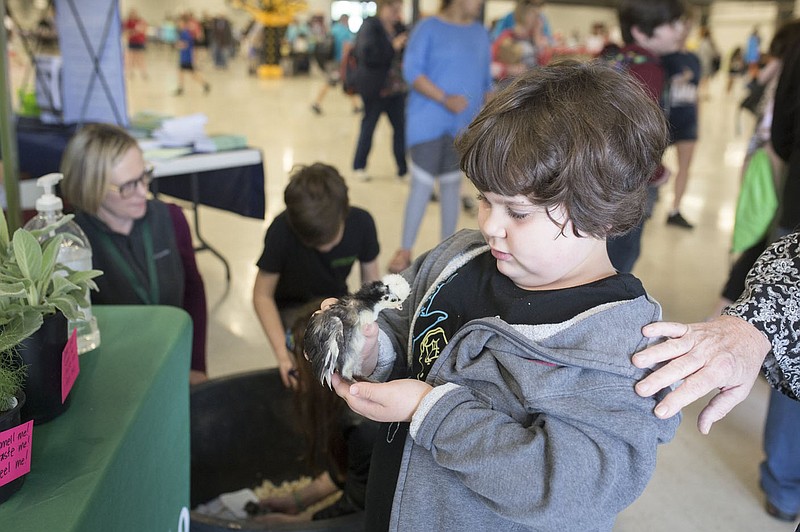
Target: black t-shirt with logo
x=307, y=274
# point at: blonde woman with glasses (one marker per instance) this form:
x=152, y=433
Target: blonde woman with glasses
x=143, y=245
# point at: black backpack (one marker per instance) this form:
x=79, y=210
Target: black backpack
x=349, y=68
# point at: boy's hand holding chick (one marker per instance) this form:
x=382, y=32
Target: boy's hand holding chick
x=386, y=401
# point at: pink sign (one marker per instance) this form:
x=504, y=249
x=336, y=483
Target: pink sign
x=15, y=452
x=69, y=365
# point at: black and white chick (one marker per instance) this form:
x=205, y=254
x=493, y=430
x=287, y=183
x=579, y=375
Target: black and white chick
x=333, y=339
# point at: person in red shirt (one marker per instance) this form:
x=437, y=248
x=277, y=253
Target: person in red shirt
x=135, y=29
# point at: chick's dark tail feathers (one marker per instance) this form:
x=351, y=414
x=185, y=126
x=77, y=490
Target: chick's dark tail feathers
x=322, y=339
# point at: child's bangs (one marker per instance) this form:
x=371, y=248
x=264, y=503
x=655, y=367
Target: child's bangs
x=502, y=155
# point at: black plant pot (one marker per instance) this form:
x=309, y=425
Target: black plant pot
x=10, y=419
x=42, y=352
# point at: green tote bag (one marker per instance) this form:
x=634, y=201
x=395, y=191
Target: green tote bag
x=757, y=203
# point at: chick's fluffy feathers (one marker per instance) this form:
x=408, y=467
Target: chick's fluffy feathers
x=333, y=339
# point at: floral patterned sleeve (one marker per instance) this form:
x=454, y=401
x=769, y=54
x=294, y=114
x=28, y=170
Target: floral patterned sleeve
x=771, y=303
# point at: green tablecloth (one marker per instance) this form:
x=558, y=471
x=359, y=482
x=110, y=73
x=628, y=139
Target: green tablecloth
x=118, y=458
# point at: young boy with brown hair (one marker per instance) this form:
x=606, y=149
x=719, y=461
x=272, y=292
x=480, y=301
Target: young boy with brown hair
x=513, y=404
x=309, y=251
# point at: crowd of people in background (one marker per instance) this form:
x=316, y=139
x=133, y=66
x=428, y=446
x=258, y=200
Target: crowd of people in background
x=185, y=33
x=522, y=39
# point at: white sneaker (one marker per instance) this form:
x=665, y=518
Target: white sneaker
x=361, y=175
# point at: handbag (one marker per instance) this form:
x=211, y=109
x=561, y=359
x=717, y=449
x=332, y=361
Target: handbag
x=349, y=71
x=752, y=101
x=757, y=203
x=394, y=84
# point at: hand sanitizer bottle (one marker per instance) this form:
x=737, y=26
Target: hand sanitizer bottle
x=75, y=253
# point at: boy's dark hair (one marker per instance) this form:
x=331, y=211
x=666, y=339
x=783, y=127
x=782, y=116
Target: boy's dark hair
x=316, y=204
x=580, y=135
x=646, y=15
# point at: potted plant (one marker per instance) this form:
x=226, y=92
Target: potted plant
x=12, y=375
x=12, y=398
x=37, y=295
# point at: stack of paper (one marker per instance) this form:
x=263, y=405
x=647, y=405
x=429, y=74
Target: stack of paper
x=181, y=131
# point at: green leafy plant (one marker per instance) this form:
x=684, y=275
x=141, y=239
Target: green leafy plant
x=12, y=375
x=33, y=284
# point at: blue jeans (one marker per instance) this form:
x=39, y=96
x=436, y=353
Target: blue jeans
x=395, y=109
x=220, y=55
x=624, y=250
x=780, y=472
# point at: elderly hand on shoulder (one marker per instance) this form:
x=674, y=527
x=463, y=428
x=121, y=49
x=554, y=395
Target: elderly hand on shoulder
x=725, y=354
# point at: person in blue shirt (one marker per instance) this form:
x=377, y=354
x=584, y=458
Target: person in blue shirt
x=447, y=65
x=752, y=53
x=186, y=56
x=341, y=36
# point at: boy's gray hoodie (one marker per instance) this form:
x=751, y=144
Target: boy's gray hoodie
x=528, y=427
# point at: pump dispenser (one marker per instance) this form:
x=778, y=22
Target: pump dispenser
x=75, y=253
x=48, y=204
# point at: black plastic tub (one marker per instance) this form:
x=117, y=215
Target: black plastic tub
x=243, y=431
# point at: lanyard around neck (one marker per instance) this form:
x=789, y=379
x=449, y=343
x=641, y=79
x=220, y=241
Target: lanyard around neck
x=151, y=296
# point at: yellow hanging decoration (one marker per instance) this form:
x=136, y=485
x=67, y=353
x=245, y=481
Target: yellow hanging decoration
x=275, y=16
x=271, y=13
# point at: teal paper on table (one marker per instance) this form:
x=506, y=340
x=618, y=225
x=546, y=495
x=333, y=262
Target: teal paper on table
x=118, y=458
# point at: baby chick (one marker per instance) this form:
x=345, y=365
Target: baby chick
x=333, y=339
